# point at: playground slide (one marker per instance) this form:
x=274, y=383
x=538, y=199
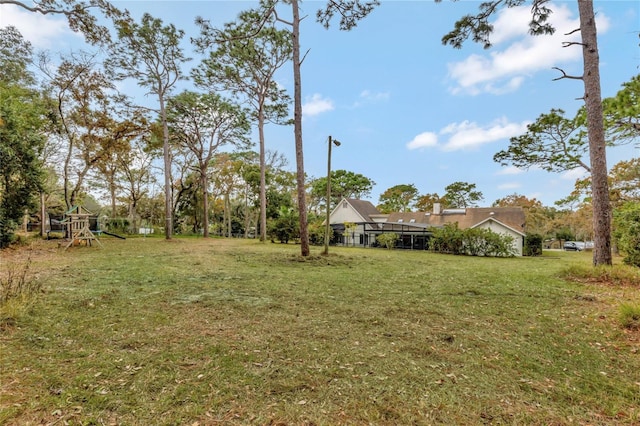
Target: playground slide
x=114, y=235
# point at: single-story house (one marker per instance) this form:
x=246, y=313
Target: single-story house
x=358, y=222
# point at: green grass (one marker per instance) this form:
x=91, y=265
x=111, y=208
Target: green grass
x=235, y=332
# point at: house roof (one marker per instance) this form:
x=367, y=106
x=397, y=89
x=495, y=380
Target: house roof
x=363, y=208
x=511, y=217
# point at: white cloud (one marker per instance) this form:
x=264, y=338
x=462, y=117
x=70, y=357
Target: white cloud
x=575, y=174
x=468, y=135
x=41, y=30
x=508, y=186
x=423, y=140
x=316, y=105
x=510, y=170
x=504, y=70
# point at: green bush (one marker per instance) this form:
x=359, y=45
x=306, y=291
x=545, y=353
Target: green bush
x=498, y=245
x=285, y=227
x=7, y=230
x=387, y=240
x=448, y=239
x=316, y=233
x=118, y=225
x=532, y=245
x=627, y=232
x=473, y=241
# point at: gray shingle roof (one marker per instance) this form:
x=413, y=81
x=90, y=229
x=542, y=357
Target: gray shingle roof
x=364, y=208
x=513, y=217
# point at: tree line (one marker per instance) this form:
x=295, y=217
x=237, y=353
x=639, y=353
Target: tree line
x=67, y=128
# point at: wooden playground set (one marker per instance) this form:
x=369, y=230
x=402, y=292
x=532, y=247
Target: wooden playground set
x=78, y=230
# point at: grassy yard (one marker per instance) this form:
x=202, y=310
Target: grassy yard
x=234, y=332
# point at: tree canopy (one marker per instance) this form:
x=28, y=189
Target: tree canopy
x=23, y=115
x=344, y=183
x=398, y=198
x=462, y=195
x=150, y=52
x=553, y=143
x=622, y=113
x=79, y=15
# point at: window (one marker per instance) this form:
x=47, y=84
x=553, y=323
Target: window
x=412, y=221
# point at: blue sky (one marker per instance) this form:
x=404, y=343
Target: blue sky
x=407, y=109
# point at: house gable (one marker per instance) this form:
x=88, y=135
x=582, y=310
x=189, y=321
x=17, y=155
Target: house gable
x=354, y=211
x=490, y=220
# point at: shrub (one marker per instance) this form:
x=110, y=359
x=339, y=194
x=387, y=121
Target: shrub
x=285, y=227
x=474, y=241
x=7, y=230
x=627, y=232
x=118, y=225
x=316, y=233
x=498, y=245
x=447, y=239
x=532, y=245
x=387, y=240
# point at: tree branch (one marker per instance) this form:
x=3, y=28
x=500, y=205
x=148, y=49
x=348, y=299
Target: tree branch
x=44, y=11
x=279, y=19
x=572, y=43
x=305, y=55
x=572, y=32
x=565, y=75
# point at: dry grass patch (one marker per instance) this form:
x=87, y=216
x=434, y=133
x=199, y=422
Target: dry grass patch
x=618, y=275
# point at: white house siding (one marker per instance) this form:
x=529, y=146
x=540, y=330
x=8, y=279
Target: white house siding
x=342, y=214
x=345, y=213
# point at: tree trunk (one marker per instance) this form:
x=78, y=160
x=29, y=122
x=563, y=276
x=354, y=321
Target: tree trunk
x=263, y=179
x=227, y=209
x=205, y=200
x=43, y=213
x=112, y=191
x=168, y=201
x=247, y=219
x=595, y=129
x=302, y=204
x=133, y=217
x=65, y=176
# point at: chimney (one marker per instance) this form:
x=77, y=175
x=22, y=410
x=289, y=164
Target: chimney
x=436, y=208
